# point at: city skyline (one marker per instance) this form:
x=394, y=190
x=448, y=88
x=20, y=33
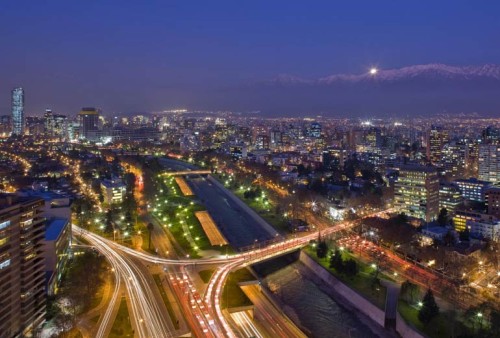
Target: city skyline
x=249, y=169
x=222, y=57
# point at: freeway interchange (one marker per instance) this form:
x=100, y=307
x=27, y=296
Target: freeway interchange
x=203, y=313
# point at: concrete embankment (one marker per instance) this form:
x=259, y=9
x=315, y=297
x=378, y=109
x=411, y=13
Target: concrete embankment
x=256, y=217
x=371, y=315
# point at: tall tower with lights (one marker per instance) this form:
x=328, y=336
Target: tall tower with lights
x=18, y=111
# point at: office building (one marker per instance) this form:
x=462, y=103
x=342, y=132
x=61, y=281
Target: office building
x=472, y=189
x=55, y=125
x=416, y=192
x=334, y=158
x=487, y=227
x=436, y=139
x=463, y=216
x=113, y=191
x=18, y=122
x=22, y=265
x=455, y=159
x=450, y=197
x=493, y=200
x=489, y=162
x=491, y=135
x=89, y=123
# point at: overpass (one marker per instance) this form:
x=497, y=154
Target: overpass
x=187, y=172
x=205, y=313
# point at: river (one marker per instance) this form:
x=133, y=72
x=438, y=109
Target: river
x=314, y=309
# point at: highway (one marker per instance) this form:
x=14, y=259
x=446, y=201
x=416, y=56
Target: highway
x=206, y=317
x=148, y=314
x=273, y=322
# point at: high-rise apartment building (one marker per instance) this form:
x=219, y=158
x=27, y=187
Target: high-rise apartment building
x=18, y=111
x=416, y=192
x=89, y=123
x=22, y=265
x=489, y=162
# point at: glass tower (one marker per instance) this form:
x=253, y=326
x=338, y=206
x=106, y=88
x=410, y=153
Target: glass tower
x=18, y=111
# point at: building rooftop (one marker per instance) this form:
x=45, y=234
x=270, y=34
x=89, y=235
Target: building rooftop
x=47, y=195
x=473, y=180
x=113, y=183
x=8, y=200
x=54, y=228
x=436, y=230
x=419, y=168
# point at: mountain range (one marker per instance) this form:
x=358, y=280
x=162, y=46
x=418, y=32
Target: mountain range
x=434, y=71
x=418, y=89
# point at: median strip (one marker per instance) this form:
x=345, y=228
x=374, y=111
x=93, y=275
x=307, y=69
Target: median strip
x=186, y=190
x=211, y=230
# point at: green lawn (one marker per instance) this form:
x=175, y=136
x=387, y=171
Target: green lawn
x=122, y=326
x=170, y=310
x=232, y=295
x=205, y=275
x=267, y=212
x=174, y=211
x=361, y=283
x=440, y=326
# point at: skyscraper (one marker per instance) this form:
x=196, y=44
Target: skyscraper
x=416, y=192
x=89, y=123
x=437, y=138
x=18, y=111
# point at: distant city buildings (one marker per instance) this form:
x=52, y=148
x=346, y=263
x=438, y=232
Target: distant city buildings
x=18, y=122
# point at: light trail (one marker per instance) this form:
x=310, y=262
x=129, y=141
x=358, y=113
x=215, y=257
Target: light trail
x=106, y=323
x=205, y=315
x=145, y=313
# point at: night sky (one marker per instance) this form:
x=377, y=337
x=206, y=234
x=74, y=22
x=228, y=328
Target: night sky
x=138, y=56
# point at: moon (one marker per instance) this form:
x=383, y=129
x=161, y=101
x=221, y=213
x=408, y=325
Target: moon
x=373, y=71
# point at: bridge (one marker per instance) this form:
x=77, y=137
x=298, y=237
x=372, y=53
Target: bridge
x=187, y=172
x=205, y=313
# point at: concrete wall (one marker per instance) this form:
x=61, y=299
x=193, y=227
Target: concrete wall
x=256, y=217
x=406, y=330
x=355, y=299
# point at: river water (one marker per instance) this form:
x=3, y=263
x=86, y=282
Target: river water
x=308, y=304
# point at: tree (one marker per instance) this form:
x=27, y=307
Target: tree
x=495, y=323
x=449, y=238
x=409, y=291
x=350, y=267
x=443, y=217
x=150, y=230
x=321, y=249
x=336, y=261
x=401, y=218
x=429, y=308
x=464, y=236
x=109, y=222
